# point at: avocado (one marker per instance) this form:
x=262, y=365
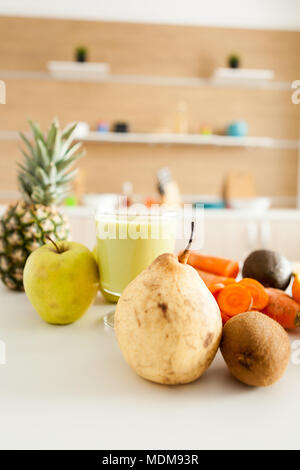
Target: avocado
x=269, y=268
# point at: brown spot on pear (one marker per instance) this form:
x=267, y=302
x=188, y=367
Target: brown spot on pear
x=209, y=338
x=180, y=349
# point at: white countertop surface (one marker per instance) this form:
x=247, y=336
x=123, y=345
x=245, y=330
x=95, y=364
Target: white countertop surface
x=69, y=387
x=235, y=214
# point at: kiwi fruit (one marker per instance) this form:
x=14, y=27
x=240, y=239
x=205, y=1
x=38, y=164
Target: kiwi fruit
x=255, y=348
x=269, y=268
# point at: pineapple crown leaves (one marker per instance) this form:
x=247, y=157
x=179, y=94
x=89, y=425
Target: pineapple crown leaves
x=44, y=175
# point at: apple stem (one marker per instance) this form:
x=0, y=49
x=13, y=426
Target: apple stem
x=59, y=250
x=184, y=256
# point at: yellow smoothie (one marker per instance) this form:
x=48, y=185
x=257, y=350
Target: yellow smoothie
x=126, y=245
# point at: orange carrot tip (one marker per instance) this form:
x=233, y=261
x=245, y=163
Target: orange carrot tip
x=258, y=292
x=234, y=299
x=296, y=288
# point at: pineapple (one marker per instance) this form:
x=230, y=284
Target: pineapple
x=44, y=180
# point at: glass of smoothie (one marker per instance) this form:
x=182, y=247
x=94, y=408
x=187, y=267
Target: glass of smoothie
x=127, y=243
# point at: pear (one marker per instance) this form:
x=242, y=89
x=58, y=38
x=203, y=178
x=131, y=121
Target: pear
x=167, y=323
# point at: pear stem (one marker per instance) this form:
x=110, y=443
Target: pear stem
x=59, y=250
x=184, y=256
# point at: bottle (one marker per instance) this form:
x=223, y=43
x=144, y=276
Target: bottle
x=182, y=124
x=128, y=192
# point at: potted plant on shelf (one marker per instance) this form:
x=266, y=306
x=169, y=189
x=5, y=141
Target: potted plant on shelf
x=81, y=54
x=234, y=61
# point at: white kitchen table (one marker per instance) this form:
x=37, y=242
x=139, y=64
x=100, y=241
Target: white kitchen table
x=69, y=387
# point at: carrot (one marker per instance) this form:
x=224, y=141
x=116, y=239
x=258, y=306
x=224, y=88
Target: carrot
x=211, y=264
x=225, y=318
x=234, y=299
x=216, y=288
x=296, y=288
x=259, y=294
x=210, y=278
x=282, y=308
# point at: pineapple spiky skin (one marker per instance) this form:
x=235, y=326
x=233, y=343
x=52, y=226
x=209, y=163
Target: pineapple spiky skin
x=23, y=228
x=44, y=178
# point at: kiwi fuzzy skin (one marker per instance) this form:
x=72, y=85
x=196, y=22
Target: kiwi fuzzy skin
x=255, y=348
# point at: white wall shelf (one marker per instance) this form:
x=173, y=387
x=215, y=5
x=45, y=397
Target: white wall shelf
x=190, y=139
x=177, y=139
x=152, y=80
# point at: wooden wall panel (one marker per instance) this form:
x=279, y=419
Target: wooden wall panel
x=149, y=108
x=27, y=44
x=144, y=48
x=197, y=170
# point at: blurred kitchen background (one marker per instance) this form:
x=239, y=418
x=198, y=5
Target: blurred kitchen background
x=201, y=89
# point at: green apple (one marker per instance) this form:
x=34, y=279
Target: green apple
x=61, y=281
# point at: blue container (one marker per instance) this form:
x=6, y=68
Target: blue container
x=210, y=205
x=237, y=129
x=102, y=126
